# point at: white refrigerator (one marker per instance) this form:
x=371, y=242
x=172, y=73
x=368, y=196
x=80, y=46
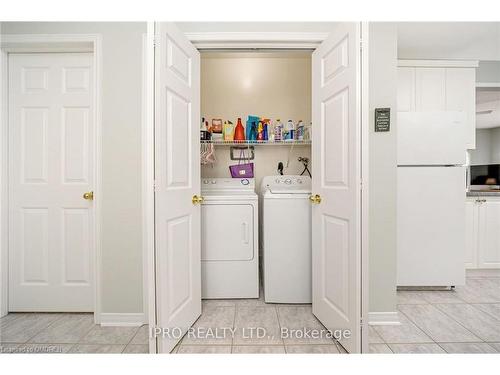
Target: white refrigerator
x=431, y=191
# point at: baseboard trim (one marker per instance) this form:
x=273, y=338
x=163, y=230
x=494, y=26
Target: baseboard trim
x=389, y=318
x=482, y=272
x=122, y=319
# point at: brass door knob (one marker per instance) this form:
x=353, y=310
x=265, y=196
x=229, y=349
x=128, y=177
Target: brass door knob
x=197, y=199
x=89, y=196
x=316, y=199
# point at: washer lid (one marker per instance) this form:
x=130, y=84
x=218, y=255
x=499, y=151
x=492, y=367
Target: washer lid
x=287, y=184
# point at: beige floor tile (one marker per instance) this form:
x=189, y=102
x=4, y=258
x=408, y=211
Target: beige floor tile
x=24, y=327
x=437, y=325
x=495, y=345
x=257, y=325
x=204, y=349
x=69, y=329
x=406, y=332
x=373, y=336
x=469, y=347
x=311, y=349
x=405, y=297
x=492, y=309
x=136, y=349
x=296, y=319
x=109, y=335
x=97, y=348
x=142, y=336
x=219, y=302
x=380, y=349
x=212, y=327
x=416, y=348
x=441, y=296
x=484, y=290
x=9, y=318
x=478, y=322
x=258, y=349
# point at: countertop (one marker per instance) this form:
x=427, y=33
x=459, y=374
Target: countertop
x=483, y=193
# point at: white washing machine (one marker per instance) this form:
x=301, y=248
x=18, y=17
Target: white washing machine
x=229, y=238
x=286, y=238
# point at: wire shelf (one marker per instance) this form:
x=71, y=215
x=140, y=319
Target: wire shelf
x=256, y=143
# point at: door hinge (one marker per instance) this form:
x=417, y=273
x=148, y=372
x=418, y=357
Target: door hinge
x=154, y=185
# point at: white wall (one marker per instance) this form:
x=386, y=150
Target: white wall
x=482, y=153
x=271, y=85
x=488, y=71
x=487, y=147
x=382, y=164
x=495, y=146
x=121, y=154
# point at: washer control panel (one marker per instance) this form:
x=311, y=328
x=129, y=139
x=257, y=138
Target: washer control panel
x=287, y=184
x=228, y=184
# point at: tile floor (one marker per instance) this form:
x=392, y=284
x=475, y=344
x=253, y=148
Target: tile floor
x=242, y=315
x=464, y=320
x=67, y=333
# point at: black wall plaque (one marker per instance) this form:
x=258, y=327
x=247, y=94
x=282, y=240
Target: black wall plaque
x=382, y=119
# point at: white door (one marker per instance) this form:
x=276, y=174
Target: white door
x=51, y=166
x=336, y=143
x=177, y=175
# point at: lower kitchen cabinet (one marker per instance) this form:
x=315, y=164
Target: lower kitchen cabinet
x=482, y=232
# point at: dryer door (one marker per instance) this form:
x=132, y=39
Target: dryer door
x=227, y=232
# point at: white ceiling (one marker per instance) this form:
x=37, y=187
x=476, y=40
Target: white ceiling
x=452, y=40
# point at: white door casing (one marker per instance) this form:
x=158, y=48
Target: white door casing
x=336, y=148
x=51, y=161
x=177, y=176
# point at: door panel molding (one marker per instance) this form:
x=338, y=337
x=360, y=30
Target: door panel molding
x=45, y=43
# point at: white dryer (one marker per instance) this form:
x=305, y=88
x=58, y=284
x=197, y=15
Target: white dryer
x=286, y=238
x=229, y=238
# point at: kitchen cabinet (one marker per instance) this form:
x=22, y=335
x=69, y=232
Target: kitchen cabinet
x=461, y=96
x=406, y=89
x=439, y=85
x=471, y=234
x=482, y=232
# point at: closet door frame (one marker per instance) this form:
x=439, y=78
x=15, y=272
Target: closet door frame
x=238, y=40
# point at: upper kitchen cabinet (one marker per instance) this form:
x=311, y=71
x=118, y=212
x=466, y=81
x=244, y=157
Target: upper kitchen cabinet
x=439, y=85
x=461, y=96
x=406, y=89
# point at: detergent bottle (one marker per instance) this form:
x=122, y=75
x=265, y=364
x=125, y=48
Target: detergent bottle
x=253, y=132
x=289, y=131
x=278, y=131
x=239, y=131
x=265, y=132
x=260, y=132
x=228, y=131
